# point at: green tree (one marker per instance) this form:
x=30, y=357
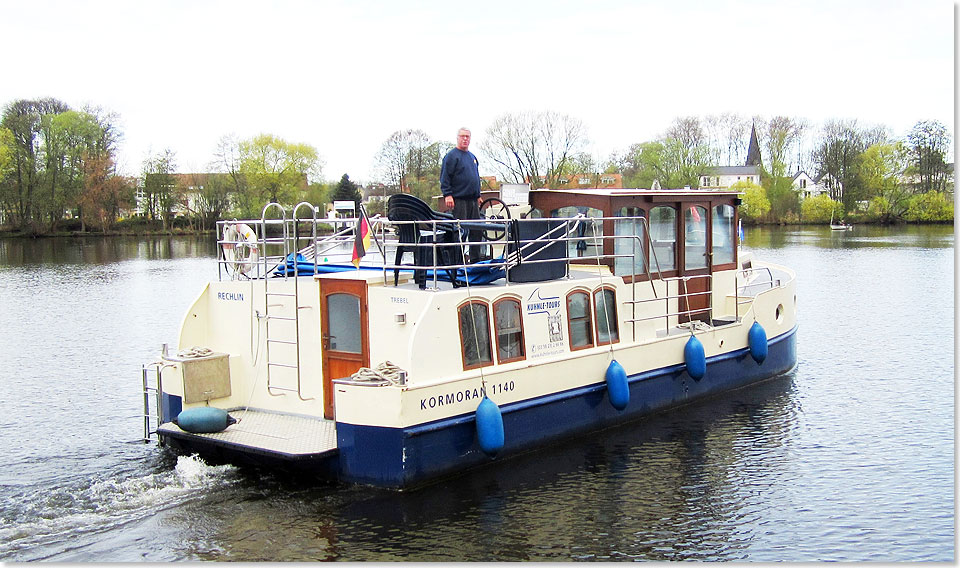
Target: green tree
x=932, y=206
x=346, y=190
x=820, y=209
x=686, y=153
x=71, y=139
x=882, y=167
x=276, y=171
x=640, y=165
x=755, y=203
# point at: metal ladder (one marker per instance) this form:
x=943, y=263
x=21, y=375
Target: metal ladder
x=151, y=396
x=275, y=299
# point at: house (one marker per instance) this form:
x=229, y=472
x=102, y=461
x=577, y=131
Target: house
x=722, y=177
x=822, y=184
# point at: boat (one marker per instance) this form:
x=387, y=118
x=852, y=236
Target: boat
x=384, y=353
x=841, y=226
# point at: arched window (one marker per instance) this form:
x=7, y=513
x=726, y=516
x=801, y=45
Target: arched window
x=578, y=320
x=509, y=330
x=605, y=307
x=474, y=319
x=629, y=234
x=663, y=238
x=723, y=234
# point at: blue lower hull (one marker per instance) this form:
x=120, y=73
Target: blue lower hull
x=393, y=457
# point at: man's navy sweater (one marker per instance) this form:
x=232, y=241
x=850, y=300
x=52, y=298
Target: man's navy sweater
x=460, y=175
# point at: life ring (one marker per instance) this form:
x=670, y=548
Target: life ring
x=240, y=249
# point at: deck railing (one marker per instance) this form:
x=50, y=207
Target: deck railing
x=287, y=246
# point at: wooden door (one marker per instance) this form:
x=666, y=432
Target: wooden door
x=345, y=338
x=695, y=261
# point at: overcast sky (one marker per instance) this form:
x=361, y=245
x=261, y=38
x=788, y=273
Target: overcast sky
x=343, y=75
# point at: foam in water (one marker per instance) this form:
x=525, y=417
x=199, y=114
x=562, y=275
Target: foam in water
x=57, y=514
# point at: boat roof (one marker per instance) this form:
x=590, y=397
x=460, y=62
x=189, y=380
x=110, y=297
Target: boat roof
x=612, y=192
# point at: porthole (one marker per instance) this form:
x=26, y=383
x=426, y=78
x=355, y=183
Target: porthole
x=779, y=313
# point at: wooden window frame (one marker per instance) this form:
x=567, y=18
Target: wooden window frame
x=463, y=352
x=677, y=235
x=734, y=238
x=596, y=316
x=593, y=339
x=496, y=329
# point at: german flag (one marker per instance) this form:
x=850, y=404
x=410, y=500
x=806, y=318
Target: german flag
x=362, y=240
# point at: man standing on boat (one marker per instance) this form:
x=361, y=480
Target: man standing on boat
x=460, y=185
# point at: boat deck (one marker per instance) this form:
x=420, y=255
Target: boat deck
x=284, y=435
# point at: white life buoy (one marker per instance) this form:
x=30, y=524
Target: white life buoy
x=240, y=247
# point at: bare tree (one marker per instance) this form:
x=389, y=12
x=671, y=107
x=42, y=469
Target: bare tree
x=404, y=157
x=533, y=147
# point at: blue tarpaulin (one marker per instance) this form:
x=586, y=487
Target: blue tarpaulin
x=483, y=272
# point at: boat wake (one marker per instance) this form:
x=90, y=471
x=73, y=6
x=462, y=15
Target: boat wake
x=43, y=523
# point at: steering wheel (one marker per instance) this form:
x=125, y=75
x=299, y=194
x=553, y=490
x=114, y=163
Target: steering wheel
x=493, y=208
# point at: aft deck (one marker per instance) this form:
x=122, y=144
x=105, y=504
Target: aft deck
x=279, y=435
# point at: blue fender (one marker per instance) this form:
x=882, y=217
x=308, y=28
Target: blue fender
x=695, y=359
x=617, y=387
x=204, y=420
x=757, y=338
x=489, y=427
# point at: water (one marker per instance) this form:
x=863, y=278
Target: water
x=850, y=457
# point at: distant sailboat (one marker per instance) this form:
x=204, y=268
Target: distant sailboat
x=839, y=226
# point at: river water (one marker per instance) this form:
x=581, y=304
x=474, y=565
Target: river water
x=849, y=457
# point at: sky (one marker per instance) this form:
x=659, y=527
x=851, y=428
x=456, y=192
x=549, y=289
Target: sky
x=342, y=76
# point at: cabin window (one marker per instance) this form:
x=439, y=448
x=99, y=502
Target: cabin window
x=663, y=238
x=628, y=245
x=345, y=327
x=509, y=330
x=605, y=306
x=475, y=334
x=587, y=238
x=695, y=237
x=578, y=318
x=723, y=234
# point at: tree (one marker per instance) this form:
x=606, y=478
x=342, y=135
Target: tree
x=686, y=153
x=71, y=138
x=160, y=187
x=840, y=152
x=103, y=193
x=780, y=136
x=932, y=206
x=755, y=203
x=640, y=165
x=928, y=143
x=276, y=171
x=820, y=209
x=405, y=157
x=727, y=134
x=533, y=147
x=210, y=195
x=346, y=190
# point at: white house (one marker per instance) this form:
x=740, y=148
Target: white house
x=811, y=187
x=722, y=177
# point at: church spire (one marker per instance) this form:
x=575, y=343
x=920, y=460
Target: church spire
x=753, y=152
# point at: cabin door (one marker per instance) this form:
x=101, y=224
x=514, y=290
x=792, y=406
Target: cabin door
x=695, y=262
x=345, y=346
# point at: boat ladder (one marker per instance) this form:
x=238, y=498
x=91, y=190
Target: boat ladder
x=281, y=310
x=152, y=389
